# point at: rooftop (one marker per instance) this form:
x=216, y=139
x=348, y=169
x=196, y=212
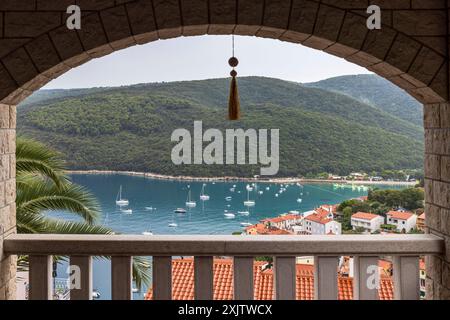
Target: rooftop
x=365, y=216
x=400, y=215
x=318, y=218
x=183, y=282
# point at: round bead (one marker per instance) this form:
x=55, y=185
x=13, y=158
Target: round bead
x=233, y=62
x=233, y=73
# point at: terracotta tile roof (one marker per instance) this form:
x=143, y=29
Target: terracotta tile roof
x=183, y=282
x=282, y=218
x=318, y=218
x=262, y=229
x=365, y=216
x=400, y=215
x=422, y=216
x=332, y=208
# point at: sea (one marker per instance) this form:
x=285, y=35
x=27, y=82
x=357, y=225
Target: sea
x=153, y=202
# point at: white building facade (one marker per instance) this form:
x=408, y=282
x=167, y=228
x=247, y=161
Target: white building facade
x=370, y=222
x=403, y=221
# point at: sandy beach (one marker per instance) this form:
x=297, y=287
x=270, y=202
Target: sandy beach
x=227, y=179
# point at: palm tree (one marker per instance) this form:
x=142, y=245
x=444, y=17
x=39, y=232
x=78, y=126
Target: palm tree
x=43, y=186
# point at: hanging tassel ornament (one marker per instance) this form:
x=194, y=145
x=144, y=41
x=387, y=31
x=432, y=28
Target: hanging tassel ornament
x=234, y=107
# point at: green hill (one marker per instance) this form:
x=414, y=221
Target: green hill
x=129, y=128
x=378, y=92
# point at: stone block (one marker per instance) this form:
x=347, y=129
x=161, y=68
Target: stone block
x=30, y=24
x=116, y=24
x=431, y=116
x=276, y=14
x=10, y=191
x=195, y=12
x=428, y=4
x=7, y=84
x=95, y=4
x=250, y=12
x=222, y=12
x=445, y=221
x=50, y=5
x=432, y=166
x=403, y=52
x=4, y=116
x=92, y=34
x=445, y=115
x=426, y=65
x=420, y=22
x=66, y=42
x=445, y=168
x=141, y=17
x=433, y=217
x=328, y=23
x=392, y=4
x=4, y=167
x=353, y=31
x=20, y=66
x=43, y=53
x=167, y=14
x=17, y=5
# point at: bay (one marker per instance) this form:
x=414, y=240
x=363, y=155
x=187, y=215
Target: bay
x=207, y=218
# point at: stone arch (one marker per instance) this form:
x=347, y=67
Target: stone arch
x=411, y=50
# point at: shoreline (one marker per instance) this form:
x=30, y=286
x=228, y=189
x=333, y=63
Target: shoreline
x=233, y=179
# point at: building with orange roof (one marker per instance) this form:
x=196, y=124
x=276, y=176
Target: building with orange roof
x=183, y=282
x=369, y=221
x=320, y=224
x=264, y=229
x=284, y=222
x=420, y=223
x=404, y=221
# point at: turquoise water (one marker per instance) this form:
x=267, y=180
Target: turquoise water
x=206, y=218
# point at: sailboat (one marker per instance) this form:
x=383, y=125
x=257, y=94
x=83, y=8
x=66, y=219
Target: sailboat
x=244, y=213
x=203, y=196
x=246, y=224
x=249, y=203
x=119, y=201
x=230, y=215
x=147, y=233
x=189, y=202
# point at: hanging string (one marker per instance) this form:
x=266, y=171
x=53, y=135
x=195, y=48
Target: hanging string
x=232, y=45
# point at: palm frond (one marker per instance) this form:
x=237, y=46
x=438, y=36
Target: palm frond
x=39, y=196
x=34, y=157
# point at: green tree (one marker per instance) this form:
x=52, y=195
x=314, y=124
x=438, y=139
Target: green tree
x=347, y=218
x=42, y=187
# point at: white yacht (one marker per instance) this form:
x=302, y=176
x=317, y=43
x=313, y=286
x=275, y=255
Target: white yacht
x=189, y=202
x=249, y=203
x=203, y=196
x=119, y=201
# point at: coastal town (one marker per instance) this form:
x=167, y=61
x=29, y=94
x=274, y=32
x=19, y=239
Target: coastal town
x=326, y=219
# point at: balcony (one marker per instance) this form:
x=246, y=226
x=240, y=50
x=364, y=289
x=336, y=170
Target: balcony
x=405, y=251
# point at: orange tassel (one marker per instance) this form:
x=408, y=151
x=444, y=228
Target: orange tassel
x=234, y=106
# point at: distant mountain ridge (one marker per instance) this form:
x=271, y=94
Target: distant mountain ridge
x=129, y=128
x=378, y=92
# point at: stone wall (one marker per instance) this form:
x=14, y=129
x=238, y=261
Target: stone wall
x=411, y=50
x=437, y=186
x=7, y=196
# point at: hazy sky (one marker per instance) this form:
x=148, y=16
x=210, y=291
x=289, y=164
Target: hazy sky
x=206, y=57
